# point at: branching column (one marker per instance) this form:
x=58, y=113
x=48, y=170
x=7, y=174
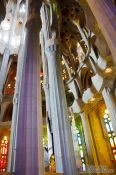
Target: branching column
x=63, y=146
x=59, y=115
x=29, y=148
x=7, y=49
x=88, y=139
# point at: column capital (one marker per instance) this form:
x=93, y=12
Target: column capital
x=7, y=49
x=50, y=44
x=15, y=98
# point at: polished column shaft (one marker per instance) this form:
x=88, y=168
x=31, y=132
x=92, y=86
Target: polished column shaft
x=63, y=145
x=29, y=148
x=60, y=123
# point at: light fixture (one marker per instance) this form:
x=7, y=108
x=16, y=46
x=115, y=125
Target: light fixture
x=78, y=44
x=105, y=116
x=92, y=99
x=41, y=74
x=5, y=138
x=108, y=70
x=62, y=62
x=69, y=90
x=9, y=85
x=106, y=111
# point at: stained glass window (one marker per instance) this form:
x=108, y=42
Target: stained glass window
x=81, y=148
x=3, y=154
x=111, y=134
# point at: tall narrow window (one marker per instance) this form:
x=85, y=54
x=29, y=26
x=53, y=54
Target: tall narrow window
x=81, y=142
x=81, y=148
x=3, y=154
x=111, y=134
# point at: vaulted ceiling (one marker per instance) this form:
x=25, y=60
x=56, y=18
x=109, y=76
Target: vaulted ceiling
x=71, y=12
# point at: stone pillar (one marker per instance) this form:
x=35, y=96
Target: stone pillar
x=29, y=147
x=60, y=123
x=63, y=145
x=6, y=54
x=111, y=106
x=101, y=152
x=12, y=146
x=12, y=149
x=47, y=96
x=105, y=14
x=88, y=139
x=58, y=156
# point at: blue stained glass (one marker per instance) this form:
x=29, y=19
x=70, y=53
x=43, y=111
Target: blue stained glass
x=84, y=167
x=107, y=127
x=79, y=140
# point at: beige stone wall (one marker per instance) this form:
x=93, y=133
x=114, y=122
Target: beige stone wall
x=101, y=147
x=99, y=140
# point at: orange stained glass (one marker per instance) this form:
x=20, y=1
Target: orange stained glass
x=3, y=153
